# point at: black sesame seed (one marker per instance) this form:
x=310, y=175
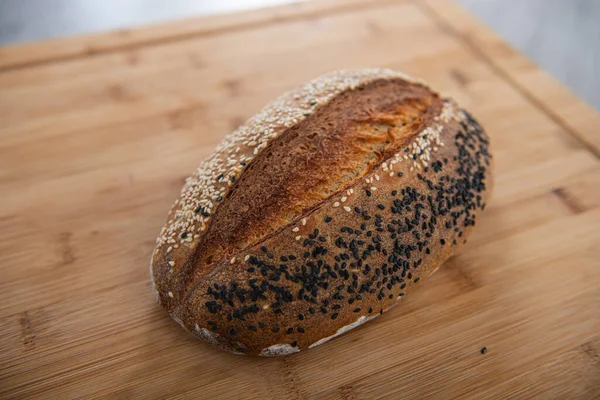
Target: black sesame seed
x=357, y=309
x=275, y=329
x=455, y=197
x=334, y=315
x=400, y=174
x=290, y=330
x=328, y=219
x=483, y=350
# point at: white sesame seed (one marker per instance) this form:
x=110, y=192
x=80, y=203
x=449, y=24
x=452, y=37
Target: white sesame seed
x=303, y=221
x=172, y=263
x=336, y=204
x=169, y=249
x=170, y=294
x=296, y=229
x=232, y=261
x=215, y=176
x=347, y=208
x=298, y=237
x=373, y=188
x=344, y=198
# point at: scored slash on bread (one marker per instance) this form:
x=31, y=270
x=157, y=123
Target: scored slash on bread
x=321, y=212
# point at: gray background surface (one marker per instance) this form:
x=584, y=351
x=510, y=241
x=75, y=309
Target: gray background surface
x=562, y=36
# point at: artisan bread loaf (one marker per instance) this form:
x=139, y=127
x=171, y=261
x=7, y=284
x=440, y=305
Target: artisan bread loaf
x=321, y=212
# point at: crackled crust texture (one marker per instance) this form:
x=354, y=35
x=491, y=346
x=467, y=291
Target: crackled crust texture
x=321, y=212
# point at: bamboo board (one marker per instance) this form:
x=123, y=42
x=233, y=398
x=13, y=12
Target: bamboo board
x=97, y=134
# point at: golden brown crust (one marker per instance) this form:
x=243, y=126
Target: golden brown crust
x=339, y=144
x=299, y=251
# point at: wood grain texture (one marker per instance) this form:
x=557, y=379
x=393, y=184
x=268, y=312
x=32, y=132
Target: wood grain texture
x=56, y=50
x=552, y=98
x=94, y=149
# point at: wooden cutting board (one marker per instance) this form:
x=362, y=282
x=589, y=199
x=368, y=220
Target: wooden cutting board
x=97, y=134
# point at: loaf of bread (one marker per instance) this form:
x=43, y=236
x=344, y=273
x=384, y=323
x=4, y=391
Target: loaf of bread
x=321, y=212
